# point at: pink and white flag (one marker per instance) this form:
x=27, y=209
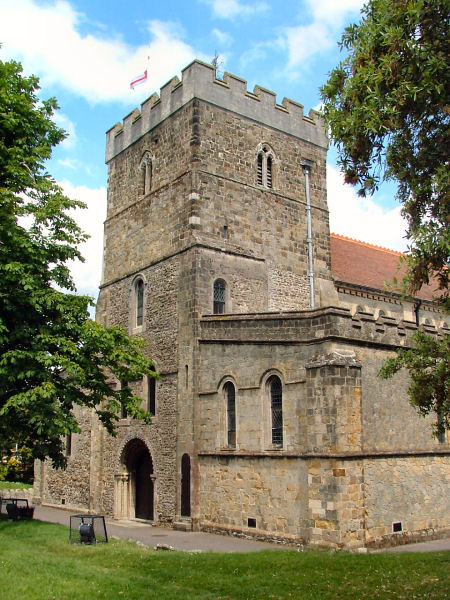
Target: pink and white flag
x=138, y=80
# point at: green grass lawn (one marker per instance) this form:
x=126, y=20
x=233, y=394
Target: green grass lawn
x=14, y=485
x=37, y=563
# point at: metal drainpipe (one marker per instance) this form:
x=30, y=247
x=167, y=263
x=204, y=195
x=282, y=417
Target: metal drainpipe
x=417, y=311
x=307, y=164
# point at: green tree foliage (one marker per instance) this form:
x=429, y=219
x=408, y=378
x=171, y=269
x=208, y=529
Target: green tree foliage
x=52, y=356
x=428, y=365
x=388, y=108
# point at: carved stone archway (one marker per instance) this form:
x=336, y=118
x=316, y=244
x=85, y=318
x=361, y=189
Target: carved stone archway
x=135, y=483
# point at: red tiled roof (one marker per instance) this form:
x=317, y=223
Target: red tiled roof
x=363, y=264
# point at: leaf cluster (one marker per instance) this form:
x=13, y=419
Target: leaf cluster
x=388, y=109
x=53, y=358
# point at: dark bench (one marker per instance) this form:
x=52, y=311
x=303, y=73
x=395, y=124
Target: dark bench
x=18, y=509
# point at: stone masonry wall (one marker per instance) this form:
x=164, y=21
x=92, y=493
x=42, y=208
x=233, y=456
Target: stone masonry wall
x=332, y=413
x=160, y=439
x=410, y=490
x=140, y=230
x=390, y=423
x=159, y=331
x=335, y=410
x=234, y=489
x=70, y=487
x=336, y=503
x=261, y=222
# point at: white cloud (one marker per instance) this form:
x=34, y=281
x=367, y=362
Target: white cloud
x=362, y=218
x=65, y=123
x=87, y=275
x=222, y=37
x=229, y=9
x=333, y=11
x=257, y=52
x=305, y=40
x=70, y=163
x=46, y=39
x=321, y=34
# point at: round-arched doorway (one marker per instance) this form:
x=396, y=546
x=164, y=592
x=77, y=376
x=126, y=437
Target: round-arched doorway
x=135, y=484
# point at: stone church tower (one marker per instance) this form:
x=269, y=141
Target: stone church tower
x=267, y=415
x=206, y=214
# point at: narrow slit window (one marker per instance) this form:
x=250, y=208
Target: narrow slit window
x=145, y=175
x=123, y=409
x=441, y=432
x=219, y=297
x=260, y=169
x=269, y=172
x=276, y=405
x=230, y=394
x=139, y=303
x=151, y=395
x=148, y=176
x=68, y=444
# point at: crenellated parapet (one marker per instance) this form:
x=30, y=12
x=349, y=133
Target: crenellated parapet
x=199, y=81
x=332, y=323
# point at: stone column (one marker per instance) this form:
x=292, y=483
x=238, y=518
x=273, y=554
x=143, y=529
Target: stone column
x=121, y=495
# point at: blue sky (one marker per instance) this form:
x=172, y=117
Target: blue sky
x=87, y=52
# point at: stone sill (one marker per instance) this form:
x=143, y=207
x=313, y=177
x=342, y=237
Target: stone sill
x=335, y=455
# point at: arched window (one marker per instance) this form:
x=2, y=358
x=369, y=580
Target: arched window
x=219, y=297
x=230, y=396
x=139, y=302
x=260, y=168
x=269, y=172
x=265, y=162
x=276, y=409
x=145, y=174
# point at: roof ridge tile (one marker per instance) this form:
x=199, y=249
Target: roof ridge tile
x=367, y=244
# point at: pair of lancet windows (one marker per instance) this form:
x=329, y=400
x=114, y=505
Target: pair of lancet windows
x=265, y=162
x=265, y=168
x=275, y=391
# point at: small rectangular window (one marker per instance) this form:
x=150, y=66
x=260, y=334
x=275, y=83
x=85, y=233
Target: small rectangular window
x=397, y=527
x=251, y=522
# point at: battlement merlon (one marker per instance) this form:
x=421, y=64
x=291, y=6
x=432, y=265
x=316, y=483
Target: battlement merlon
x=199, y=81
